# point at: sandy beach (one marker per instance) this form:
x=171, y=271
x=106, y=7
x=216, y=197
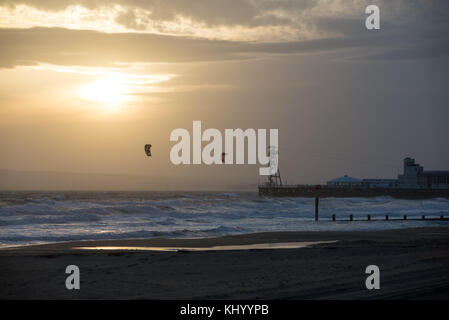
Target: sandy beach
x=413, y=263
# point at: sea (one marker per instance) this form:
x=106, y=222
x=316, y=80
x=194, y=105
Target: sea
x=47, y=217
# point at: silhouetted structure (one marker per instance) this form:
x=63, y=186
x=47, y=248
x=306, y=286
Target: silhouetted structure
x=414, y=183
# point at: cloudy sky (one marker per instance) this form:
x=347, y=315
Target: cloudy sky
x=85, y=84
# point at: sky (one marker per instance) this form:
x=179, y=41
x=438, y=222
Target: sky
x=85, y=84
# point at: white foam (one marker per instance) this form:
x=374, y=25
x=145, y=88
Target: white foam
x=55, y=217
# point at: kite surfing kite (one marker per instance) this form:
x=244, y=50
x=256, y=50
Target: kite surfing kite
x=148, y=150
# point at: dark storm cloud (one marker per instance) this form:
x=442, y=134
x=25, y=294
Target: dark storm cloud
x=419, y=33
x=210, y=12
x=252, y=12
x=75, y=47
x=80, y=47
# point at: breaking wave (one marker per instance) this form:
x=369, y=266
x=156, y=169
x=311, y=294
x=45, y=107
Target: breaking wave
x=33, y=217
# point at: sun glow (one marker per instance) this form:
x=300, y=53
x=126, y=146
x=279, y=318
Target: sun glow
x=109, y=91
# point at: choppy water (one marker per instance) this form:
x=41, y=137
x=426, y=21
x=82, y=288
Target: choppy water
x=43, y=217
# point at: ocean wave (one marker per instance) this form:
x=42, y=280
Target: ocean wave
x=138, y=234
x=50, y=220
x=50, y=217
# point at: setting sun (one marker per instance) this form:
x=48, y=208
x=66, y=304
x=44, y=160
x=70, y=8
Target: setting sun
x=110, y=92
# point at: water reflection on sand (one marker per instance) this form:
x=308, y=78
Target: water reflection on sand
x=256, y=246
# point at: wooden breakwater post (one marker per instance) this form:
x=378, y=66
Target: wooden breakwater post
x=423, y=217
x=405, y=217
x=369, y=217
x=333, y=217
x=386, y=217
x=351, y=217
x=316, y=208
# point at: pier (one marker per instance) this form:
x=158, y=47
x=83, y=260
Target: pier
x=413, y=183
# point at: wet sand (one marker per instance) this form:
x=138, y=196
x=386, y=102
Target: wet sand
x=414, y=264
